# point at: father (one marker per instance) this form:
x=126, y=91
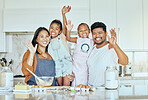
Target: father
x=102, y=55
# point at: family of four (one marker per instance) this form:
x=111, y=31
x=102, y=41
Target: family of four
x=48, y=53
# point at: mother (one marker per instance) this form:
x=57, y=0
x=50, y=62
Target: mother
x=37, y=58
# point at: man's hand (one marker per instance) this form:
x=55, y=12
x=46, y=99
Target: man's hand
x=66, y=9
x=113, y=38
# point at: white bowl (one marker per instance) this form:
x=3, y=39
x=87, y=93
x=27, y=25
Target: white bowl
x=48, y=80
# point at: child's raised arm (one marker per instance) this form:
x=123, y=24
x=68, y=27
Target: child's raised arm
x=64, y=11
x=69, y=27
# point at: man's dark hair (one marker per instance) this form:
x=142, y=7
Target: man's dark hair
x=98, y=25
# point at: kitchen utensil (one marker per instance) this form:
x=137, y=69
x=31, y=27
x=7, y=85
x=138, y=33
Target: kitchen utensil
x=39, y=80
x=4, y=59
x=10, y=62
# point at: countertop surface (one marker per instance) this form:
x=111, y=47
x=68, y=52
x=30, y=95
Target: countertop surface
x=123, y=92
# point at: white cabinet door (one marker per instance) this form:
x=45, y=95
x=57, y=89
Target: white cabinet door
x=2, y=38
x=103, y=11
x=28, y=15
x=129, y=20
x=145, y=13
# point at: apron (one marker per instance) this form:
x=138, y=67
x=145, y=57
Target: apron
x=82, y=50
x=45, y=67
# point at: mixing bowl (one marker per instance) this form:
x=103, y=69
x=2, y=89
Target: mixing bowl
x=47, y=80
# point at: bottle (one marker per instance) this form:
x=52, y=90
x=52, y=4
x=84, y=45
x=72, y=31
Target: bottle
x=6, y=78
x=111, y=77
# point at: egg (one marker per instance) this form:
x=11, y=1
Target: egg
x=83, y=86
x=86, y=86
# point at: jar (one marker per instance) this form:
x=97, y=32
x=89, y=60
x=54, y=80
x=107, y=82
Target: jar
x=128, y=70
x=111, y=77
x=6, y=78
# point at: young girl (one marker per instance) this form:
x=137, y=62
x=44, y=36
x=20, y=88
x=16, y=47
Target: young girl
x=59, y=50
x=82, y=50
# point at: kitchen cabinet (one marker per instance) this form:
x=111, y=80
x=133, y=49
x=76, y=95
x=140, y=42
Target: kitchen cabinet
x=28, y=16
x=133, y=90
x=103, y=11
x=146, y=82
x=145, y=21
x=124, y=15
x=133, y=82
x=2, y=42
x=129, y=21
x=2, y=35
x=129, y=90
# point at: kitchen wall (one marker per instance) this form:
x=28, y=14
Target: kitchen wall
x=18, y=20
x=16, y=49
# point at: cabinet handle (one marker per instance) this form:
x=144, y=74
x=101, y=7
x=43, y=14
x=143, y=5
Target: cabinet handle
x=118, y=35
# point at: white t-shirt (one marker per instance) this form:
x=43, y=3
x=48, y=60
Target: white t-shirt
x=97, y=62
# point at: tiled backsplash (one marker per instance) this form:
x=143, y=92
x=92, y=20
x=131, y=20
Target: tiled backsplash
x=16, y=49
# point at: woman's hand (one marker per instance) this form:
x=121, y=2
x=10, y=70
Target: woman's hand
x=113, y=38
x=66, y=9
x=31, y=48
x=69, y=26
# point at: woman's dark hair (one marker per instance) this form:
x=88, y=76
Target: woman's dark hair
x=57, y=22
x=34, y=40
x=98, y=25
x=82, y=24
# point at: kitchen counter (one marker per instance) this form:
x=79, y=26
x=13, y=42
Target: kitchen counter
x=123, y=92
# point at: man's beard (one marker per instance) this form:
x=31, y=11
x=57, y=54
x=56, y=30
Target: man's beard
x=99, y=43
